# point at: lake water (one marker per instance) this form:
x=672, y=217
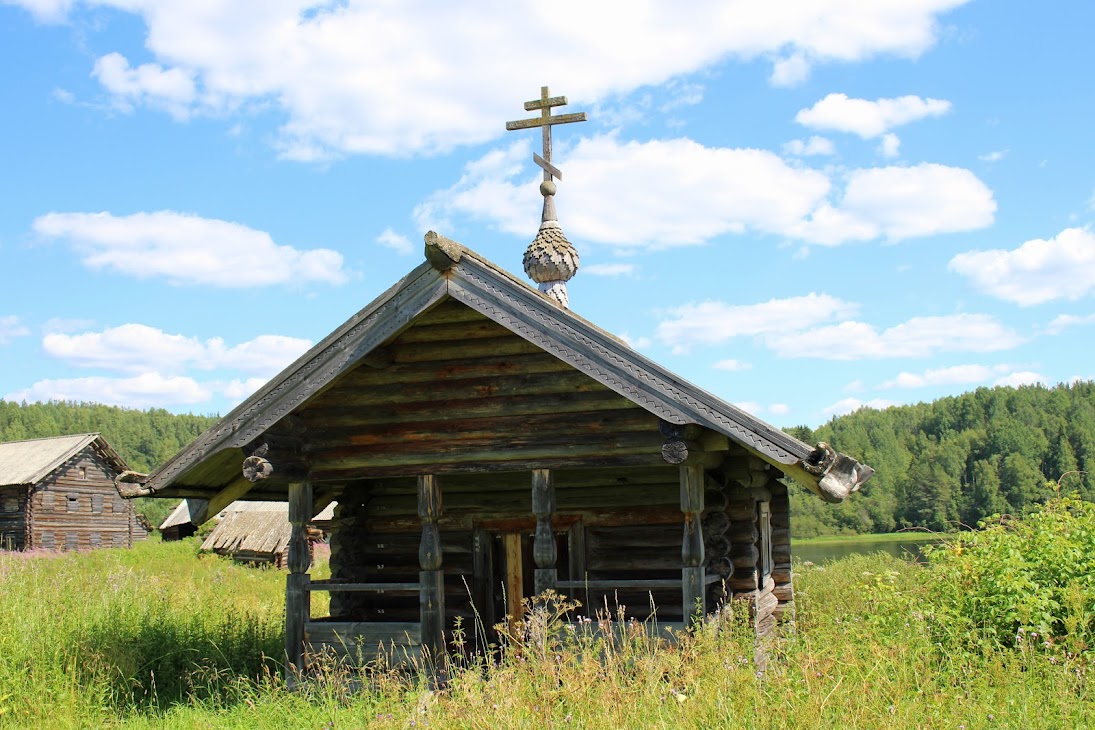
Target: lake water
x=824, y=552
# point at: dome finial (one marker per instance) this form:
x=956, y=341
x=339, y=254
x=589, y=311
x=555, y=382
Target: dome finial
x=549, y=260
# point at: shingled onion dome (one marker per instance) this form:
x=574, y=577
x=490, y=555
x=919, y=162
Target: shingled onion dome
x=550, y=260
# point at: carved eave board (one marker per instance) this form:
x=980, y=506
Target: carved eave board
x=461, y=367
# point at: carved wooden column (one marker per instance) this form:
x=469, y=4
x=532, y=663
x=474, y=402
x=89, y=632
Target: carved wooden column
x=692, y=553
x=297, y=596
x=544, y=552
x=431, y=578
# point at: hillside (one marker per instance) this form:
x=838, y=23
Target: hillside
x=957, y=459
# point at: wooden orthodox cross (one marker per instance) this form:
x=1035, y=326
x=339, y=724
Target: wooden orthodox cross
x=545, y=104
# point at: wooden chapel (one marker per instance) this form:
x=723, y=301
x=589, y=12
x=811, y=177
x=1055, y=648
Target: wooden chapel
x=486, y=444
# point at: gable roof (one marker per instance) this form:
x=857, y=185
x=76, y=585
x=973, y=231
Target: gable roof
x=453, y=271
x=30, y=461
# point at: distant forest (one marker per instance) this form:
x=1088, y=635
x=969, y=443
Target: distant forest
x=956, y=460
x=953, y=461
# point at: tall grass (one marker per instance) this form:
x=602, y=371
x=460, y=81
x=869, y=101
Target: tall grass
x=159, y=637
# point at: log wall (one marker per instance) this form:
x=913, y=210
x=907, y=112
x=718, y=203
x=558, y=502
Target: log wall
x=13, y=522
x=77, y=507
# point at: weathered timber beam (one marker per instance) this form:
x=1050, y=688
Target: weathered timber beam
x=456, y=351
x=431, y=576
x=442, y=253
x=687, y=453
x=460, y=451
x=502, y=521
x=543, y=549
x=491, y=387
x=397, y=373
x=346, y=415
x=692, y=485
x=297, y=597
x=364, y=470
x=227, y=496
x=573, y=425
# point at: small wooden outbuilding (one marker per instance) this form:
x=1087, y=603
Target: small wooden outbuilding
x=258, y=533
x=59, y=493
x=485, y=444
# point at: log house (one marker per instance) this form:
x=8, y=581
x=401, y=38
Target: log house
x=59, y=493
x=484, y=444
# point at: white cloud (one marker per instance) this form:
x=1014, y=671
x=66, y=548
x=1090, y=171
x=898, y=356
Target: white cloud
x=10, y=328
x=187, y=249
x=1063, y=321
x=141, y=391
x=732, y=366
x=749, y=406
x=994, y=156
x=710, y=323
x=1025, y=377
x=918, y=337
x=169, y=89
x=891, y=145
x=1038, y=271
x=953, y=375
x=44, y=11
x=689, y=194
x=137, y=348
x=779, y=409
x=237, y=390
x=902, y=202
x=396, y=242
x=790, y=71
x=417, y=76
x=849, y=405
x=807, y=148
x=869, y=119
x=610, y=270
x=636, y=343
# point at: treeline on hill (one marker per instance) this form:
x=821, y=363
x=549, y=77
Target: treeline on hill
x=953, y=461
x=145, y=439
x=957, y=460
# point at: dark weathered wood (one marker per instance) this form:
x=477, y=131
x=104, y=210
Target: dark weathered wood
x=692, y=552
x=483, y=578
x=340, y=586
x=297, y=597
x=544, y=552
x=431, y=577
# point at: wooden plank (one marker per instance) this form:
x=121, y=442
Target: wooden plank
x=347, y=587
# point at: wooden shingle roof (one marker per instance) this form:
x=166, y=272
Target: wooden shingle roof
x=455, y=272
x=30, y=461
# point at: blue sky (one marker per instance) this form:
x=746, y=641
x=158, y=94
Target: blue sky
x=803, y=207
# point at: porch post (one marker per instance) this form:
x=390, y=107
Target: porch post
x=544, y=552
x=431, y=577
x=692, y=574
x=297, y=596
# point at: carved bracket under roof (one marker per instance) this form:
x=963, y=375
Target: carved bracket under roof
x=838, y=475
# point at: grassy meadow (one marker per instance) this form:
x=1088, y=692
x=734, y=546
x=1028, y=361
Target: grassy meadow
x=161, y=637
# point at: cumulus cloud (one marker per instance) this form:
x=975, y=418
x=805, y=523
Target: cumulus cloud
x=689, y=193
x=1039, y=271
x=1064, y=321
x=138, y=348
x=917, y=337
x=10, y=328
x=169, y=89
x=869, y=119
x=953, y=375
x=731, y=365
x=807, y=148
x=901, y=202
x=779, y=409
x=849, y=405
x=187, y=249
x=140, y=391
x=891, y=145
x=396, y=242
x=710, y=323
x=1025, y=377
x=44, y=11
x=420, y=77
x=609, y=270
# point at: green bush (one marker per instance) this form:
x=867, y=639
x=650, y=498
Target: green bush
x=1023, y=582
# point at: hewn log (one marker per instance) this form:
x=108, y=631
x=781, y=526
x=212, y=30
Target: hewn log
x=692, y=556
x=297, y=597
x=544, y=552
x=431, y=577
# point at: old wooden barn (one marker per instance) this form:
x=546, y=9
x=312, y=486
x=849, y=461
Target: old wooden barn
x=485, y=444
x=59, y=493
